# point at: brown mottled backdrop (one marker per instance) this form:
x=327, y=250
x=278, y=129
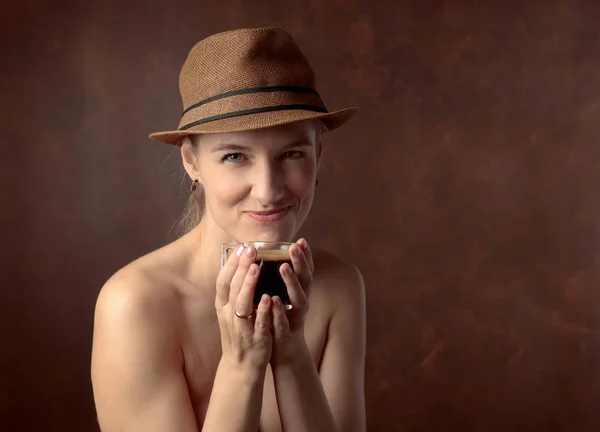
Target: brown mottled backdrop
x=466, y=190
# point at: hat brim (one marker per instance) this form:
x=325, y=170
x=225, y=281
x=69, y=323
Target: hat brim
x=331, y=120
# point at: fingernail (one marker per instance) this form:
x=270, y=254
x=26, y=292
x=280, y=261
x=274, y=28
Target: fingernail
x=265, y=299
x=277, y=301
x=239, y=251
x=304, y=244
x=295, y=252
x=252, y=271
x=249, y=252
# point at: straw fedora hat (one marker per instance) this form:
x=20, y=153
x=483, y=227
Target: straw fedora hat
x=248, y=79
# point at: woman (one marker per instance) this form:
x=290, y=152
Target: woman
x=177, y=346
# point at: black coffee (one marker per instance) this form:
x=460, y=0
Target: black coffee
x=270, y=281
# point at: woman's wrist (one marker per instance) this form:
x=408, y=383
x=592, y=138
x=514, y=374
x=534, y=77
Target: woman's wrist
x=290, y=352
x=247, y=371
x=236, y=397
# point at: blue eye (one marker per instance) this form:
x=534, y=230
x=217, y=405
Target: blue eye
x=294, y=154
x=233, y=158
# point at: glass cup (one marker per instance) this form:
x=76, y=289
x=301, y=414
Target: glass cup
x=269, y=257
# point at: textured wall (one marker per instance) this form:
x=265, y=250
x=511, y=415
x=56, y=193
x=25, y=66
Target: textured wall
x=466, y=190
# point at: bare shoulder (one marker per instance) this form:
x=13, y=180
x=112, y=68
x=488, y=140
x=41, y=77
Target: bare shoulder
x=131, y=294
x=136, y=356
x=141, y=286
x=336, y=276
x=139, y=298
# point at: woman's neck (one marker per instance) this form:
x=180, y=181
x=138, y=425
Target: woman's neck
x=204, y=251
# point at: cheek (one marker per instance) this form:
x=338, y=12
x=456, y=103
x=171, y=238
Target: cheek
x=231, y=191
x=302, y=189
x=301, y=183
x=227, y=190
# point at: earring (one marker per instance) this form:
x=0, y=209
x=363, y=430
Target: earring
x=194, y=185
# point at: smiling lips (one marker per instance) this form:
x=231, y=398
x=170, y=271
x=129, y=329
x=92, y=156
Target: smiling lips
x=268, y=216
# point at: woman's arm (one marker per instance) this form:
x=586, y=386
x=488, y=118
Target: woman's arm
x=302, y=402
x=236, y=399
x=342, y=367
x=137, y=364
x=334, y=399
x=136, y=361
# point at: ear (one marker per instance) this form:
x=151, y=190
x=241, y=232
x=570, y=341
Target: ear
x=319, y=129
x=189, y=158
x=319, y=150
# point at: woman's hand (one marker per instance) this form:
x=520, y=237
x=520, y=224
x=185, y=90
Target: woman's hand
x=246, y=336
x=288, y=326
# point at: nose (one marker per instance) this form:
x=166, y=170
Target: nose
x=268, y=185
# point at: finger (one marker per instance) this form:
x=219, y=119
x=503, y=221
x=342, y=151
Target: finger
x=307, y=252
x=300, y=265
x=281, y=325
x=225, y=276
x=246, y=259
x=294, y=287
x=244, y=299
x=264, y=321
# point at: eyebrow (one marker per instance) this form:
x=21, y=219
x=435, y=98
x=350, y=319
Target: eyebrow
x=228, y=146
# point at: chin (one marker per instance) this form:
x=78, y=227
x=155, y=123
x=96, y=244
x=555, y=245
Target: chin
x=267, y=233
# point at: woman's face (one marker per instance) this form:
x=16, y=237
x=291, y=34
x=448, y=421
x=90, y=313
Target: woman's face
x=259, y=185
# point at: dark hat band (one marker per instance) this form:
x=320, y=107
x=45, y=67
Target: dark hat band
x=270, y=89
x=255, y=111
x=283, y=88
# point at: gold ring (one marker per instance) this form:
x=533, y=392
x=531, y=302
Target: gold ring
x=239, y=315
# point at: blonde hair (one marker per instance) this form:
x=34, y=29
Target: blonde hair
x=194, y=207
x=192, y=213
